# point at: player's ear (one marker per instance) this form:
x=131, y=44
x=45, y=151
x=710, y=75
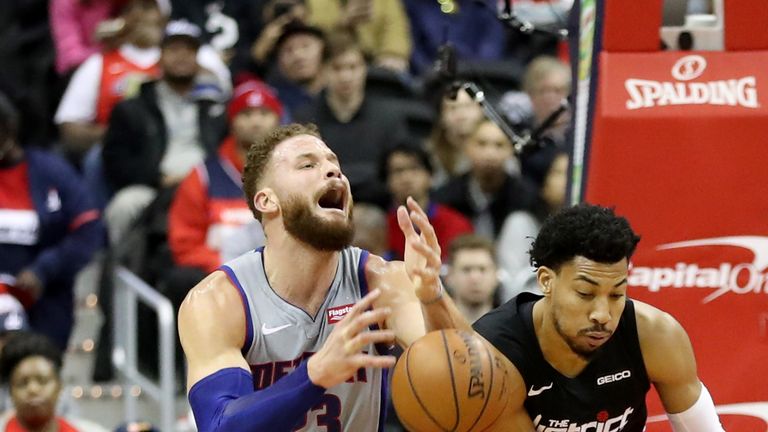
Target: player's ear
x=265, y=201
x=546, y=278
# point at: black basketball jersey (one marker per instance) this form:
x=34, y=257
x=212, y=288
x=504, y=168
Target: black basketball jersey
x=607, y=396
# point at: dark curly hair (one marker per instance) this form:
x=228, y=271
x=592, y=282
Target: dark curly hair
x=591, y=231
x=22, y=345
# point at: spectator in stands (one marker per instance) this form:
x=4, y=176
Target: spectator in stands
x=357, y=128
x=546, y=83
x=31, y=366
x=457, y=118
x=105, y=79
x=471, y=26
x=209, y=222
x=296, y=74
x=49, y=230
x=381, y=27
x=472, y=276
x=548, y=169
x=371, y=230
x=276, y=15
x=407, y=171
x=490, y=190
x=155, y=139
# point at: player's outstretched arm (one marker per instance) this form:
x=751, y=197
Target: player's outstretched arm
x=422, y=264
x=412, y=288
x=220, y=384
x=671, y=366
x=514, y=418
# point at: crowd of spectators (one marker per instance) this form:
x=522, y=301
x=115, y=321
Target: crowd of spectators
x=120, y=118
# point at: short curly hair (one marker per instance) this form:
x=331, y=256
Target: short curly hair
x=25, y=344
x=591, y=231
x=260, y=153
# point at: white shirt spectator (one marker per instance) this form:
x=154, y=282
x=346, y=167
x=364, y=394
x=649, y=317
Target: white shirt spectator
x=515, y=238
x=81, y=97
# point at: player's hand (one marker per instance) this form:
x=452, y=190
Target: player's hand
x=422, y=251
x=341, y=355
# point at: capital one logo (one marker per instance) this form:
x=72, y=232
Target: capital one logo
x=739, y=279
x=645, y=93
x=689, y=67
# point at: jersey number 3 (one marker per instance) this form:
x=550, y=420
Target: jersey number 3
x=330, y=406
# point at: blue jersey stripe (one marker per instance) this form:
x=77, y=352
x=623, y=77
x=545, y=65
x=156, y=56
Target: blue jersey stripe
x=380, y=348
x=361, y=273
x=384, y=399
x=246, y=307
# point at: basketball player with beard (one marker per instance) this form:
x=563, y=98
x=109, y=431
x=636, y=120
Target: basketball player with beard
x=582, y=356
x=294, y=336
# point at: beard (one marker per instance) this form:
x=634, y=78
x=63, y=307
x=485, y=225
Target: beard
x=313, y=230
x=180, y=79
x=585, y=353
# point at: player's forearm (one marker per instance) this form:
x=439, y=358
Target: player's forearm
x=407, y=322
x=442, y=313
x=701, y=416
x=225, y=401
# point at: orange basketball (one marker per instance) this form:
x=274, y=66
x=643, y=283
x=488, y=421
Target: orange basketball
x=449, y=380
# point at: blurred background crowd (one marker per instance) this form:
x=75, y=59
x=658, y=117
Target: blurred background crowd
x=124, y=125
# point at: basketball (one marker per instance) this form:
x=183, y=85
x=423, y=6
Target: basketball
x=449, y=380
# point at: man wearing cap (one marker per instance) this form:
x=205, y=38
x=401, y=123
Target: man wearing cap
x=156, y=138
x=104, y=79
x=209, y=223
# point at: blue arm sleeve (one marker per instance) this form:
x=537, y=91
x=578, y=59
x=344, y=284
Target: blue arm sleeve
x=225, y=401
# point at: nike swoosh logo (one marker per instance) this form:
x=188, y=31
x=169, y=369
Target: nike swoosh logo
x=269, y=330
x=539, y=391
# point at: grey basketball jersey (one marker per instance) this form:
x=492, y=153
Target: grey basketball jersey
x=280, y=335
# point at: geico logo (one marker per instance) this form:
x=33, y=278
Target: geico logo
x=732, y=92
x=613, y=378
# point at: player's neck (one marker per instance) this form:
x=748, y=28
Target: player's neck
x=298, y=273
x=556, y=351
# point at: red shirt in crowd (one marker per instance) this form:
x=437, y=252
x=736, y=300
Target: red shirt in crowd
x=448, y=224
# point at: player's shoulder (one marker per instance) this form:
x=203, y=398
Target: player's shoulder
x=507, y=317
x=214, y=295
x=656, y=327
